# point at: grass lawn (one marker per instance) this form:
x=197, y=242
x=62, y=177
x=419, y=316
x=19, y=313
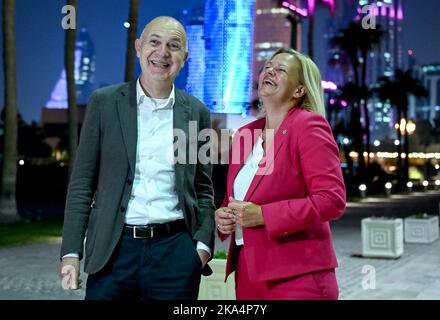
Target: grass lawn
x=28, y=232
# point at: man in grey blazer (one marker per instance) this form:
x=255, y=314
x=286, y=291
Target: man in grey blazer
x=149, y=220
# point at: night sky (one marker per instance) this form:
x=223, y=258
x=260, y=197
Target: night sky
x=40, y=40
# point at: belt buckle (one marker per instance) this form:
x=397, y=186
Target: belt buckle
x=140, y=237
x=134, y=233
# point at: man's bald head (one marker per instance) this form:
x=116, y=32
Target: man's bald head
x=168, y=23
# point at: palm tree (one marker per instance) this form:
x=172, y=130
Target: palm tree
x=356, y=42
x=8, y=204
x=131, y=37
x=311, y=31
x=69, y=61
x=396, y=92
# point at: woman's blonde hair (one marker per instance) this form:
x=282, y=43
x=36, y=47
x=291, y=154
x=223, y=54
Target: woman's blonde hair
x=310, y=77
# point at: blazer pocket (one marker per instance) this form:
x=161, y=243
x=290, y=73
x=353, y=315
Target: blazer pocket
x=300, y=235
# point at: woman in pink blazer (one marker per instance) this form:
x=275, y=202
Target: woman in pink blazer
x=284, y=185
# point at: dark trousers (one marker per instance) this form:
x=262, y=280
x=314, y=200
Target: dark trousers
x=165, y=268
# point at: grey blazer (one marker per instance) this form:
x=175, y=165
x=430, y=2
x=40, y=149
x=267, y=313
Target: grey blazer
x=103, y=173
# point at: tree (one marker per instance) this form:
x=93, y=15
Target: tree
x=131, y=37
x=356, y=42
x=69, y=61
x=396, y=92
x=311, y=31
x=8, y=204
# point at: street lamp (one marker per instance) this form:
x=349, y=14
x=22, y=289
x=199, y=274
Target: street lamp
x=409, y=185
x=388, y=187
x=362, y=189
x=425, y=185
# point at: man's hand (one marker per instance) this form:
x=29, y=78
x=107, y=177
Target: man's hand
x=204, y=256
x=247, y=214
x=69, y=274
x=225, y=220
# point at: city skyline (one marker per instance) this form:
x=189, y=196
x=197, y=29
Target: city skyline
x=41, y=53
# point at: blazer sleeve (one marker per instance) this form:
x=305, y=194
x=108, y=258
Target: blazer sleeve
x=318, y=155
x=205, y=192
x=82, y=181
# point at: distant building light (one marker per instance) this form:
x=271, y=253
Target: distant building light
x=346, y=141
x=409, y=184
x=437, y=182
x=388, y=185
x=425, y=183
x=362, y=187
x=437, y=166
x=396, y=142
x=329, y=85
x=127, y=24
x=376, y=143
x=410, y=52
x=21, y=162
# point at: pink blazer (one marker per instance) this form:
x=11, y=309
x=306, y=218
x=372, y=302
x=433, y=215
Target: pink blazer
x=300, y=189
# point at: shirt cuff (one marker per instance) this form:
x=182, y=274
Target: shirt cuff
x=202, y=246
x=71, y=255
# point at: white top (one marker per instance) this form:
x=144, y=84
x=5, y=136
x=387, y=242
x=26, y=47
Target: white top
x=244, y=179
x=153, y=198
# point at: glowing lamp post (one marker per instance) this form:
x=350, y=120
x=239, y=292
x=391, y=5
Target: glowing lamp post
x=388, y=187
x=437, y=184
x=363, y=189
x=425, y=185
x=409, y=185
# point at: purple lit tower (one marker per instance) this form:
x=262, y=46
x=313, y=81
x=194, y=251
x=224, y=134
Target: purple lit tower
x=389, y=55
x=84, y=73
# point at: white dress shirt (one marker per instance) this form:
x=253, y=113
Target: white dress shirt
x=154, y=198
x=244, y=179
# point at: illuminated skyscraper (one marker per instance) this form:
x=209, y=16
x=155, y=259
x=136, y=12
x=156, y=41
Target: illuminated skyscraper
x=388, y=56
x=275, y=27
x=193, y=21
x=228, y=32
x=84, y=73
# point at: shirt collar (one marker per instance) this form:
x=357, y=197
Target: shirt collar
x=166, y=103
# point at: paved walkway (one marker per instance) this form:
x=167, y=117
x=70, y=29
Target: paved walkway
x=30, y=271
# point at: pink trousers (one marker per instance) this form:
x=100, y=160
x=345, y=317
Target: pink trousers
x=321, y=285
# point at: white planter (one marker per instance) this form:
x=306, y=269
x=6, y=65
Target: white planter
x=421, y=230
x=214, y=287
x=382, y=238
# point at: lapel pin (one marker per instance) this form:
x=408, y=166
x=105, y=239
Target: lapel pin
x=284, y=131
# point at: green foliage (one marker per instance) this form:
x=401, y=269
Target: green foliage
x=220, y=255
x=29, y=232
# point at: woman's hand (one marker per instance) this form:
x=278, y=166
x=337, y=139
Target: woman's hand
x=225, y=220
x=247, y=214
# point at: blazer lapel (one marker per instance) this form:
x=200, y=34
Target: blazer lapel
x=127, y=112
x=267, y=164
